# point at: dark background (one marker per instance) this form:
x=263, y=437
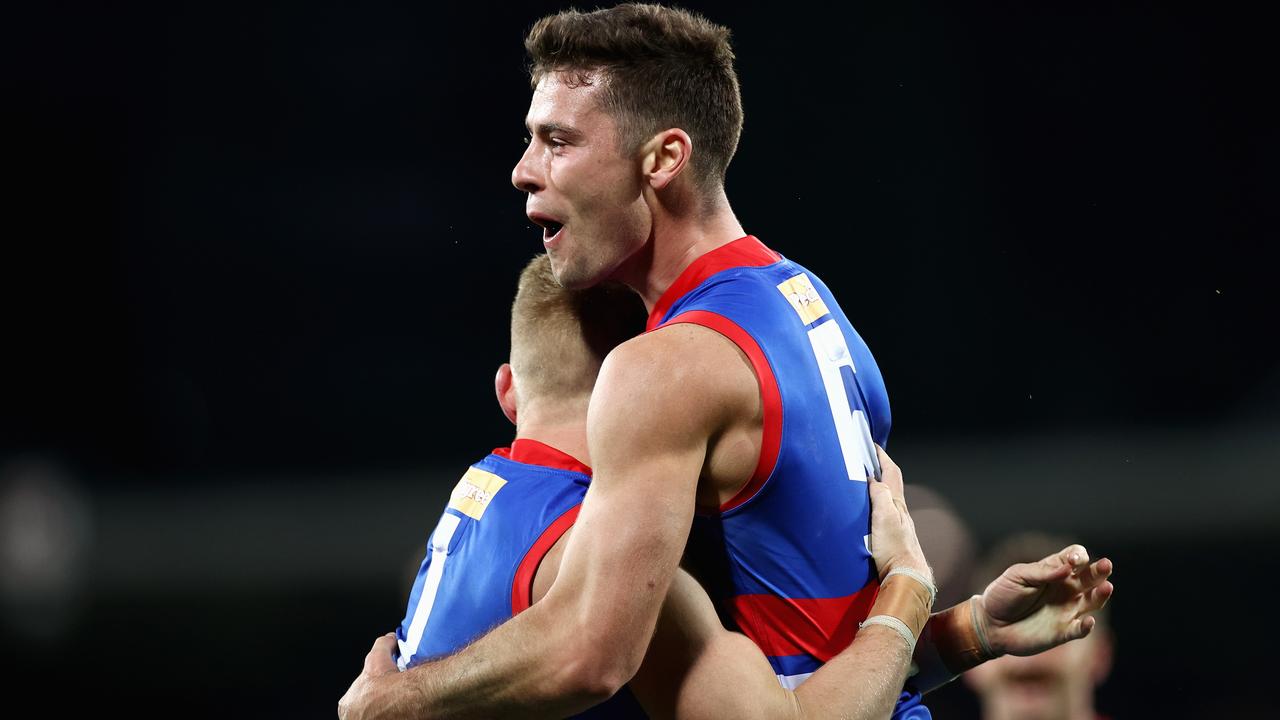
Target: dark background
x=258, y=260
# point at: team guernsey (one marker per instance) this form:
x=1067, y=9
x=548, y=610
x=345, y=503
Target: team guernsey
x=787, y=558
x=503, y=516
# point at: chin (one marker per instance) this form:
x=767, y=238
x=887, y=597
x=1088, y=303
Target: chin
x=575, y=276
x=569, y=277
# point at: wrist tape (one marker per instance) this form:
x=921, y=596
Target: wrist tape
x=890, y=621
x=956, y=634
x=918, y=577
x=907, y=599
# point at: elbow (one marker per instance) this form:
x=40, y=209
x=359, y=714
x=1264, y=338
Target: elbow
x=594, y=669
x=589, y=684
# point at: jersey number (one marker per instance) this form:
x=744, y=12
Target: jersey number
x=440, y=540
x=836, y=365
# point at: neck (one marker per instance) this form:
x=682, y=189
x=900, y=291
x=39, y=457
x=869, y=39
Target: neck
x=677, y=239
x=566, y=432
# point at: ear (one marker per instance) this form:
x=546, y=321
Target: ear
x=504, y=385
x=665, y=157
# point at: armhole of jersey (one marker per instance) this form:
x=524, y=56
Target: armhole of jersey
x=522, y=585
x=770, y=396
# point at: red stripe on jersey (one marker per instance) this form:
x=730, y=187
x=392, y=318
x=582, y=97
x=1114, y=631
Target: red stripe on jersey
x=771, y=440
x=821, y=627
x=744, y=252
x=532, y=452
x=522, y=586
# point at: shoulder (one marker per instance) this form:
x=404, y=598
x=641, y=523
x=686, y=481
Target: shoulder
x=682, y=373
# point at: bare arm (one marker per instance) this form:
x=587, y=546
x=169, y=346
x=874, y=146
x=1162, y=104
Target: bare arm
x=658, y=400
x=696, y=669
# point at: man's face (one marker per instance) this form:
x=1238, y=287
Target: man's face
x=1055, y=684
x=584, y=192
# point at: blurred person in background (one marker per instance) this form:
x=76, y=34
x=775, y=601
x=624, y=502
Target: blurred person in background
x=1059, y=684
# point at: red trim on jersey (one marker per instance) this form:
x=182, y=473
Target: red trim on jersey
x=744, y=252
x=821, y=627
x=771, y=439
x=522, y=586
x=532, y=452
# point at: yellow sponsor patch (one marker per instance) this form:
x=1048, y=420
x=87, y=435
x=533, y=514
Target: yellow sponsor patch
x=473, y=492
x=803, y=298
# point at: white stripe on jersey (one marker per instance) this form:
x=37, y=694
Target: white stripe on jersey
x=439, y=552
x=852, y=429
x=791, y=682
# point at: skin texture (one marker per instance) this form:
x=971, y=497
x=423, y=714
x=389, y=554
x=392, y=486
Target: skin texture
x=675, y=419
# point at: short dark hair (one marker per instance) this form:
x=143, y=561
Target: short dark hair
x=663, y=67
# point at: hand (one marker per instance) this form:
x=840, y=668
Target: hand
x=1032, y=607
x=356, y=703
x=893, y=533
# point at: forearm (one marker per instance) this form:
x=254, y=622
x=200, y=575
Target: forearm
x=517, y=670
x=863, y=682
x=952, y=643
x=699, y=671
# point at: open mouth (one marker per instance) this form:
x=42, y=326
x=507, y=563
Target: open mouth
x=551, y=227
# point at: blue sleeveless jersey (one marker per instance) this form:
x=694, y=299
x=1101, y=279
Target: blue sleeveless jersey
x=503, y=516
x=786, y=559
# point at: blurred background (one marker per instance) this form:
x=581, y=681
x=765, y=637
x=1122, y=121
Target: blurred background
x=258, y=259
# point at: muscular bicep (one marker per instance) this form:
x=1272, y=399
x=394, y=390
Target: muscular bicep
x=653, y=410
x=695, y=669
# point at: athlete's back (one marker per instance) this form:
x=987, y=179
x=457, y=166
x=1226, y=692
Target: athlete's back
x=786, y=557
x=505, y=513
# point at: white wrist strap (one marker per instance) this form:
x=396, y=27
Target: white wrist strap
x=890, y=621
x=933, y=590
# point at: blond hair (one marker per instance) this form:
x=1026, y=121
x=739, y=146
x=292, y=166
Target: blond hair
x=560, y=337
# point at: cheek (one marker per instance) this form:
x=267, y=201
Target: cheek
x=615, y=205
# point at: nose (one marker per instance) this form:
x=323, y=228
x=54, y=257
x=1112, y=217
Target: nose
x=524, y=175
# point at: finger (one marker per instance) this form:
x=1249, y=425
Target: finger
x=886, y=462
x=1071, y=560
x=380, y=654
x=890, y=473
x=1089, y=575
x=1096, y=598
x=385, y=645
x=1081, y=627
x=1039, y=573
x=1075, y=556
x=1094, y=573
x=880, y=495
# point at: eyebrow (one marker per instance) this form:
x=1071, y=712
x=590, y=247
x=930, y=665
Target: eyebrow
x=551, y=127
